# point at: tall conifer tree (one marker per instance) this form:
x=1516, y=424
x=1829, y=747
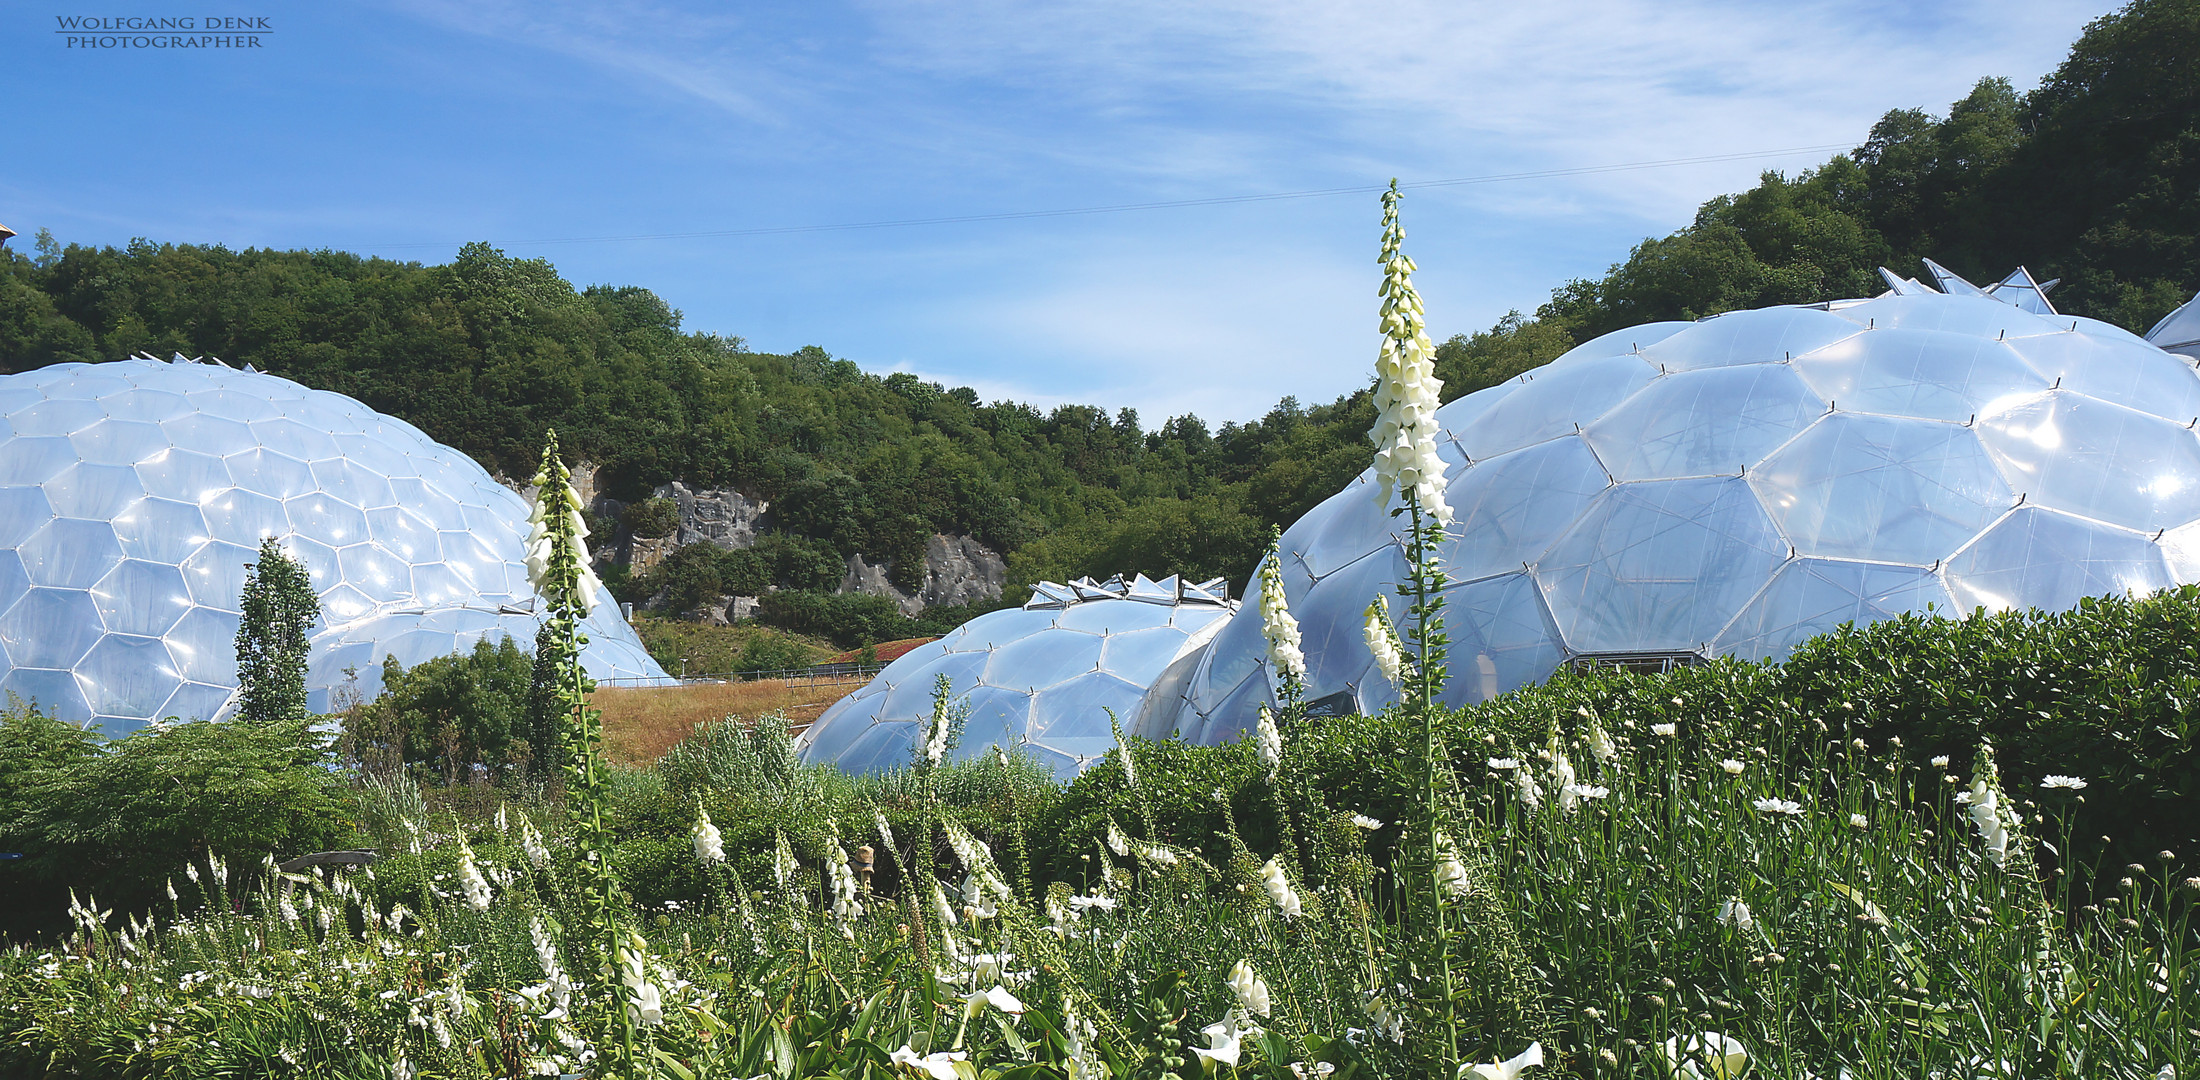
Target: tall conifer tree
x=272, y=641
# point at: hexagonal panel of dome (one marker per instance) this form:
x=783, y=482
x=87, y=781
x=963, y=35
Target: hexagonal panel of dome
x=1739, y=484
x=1040, y=678
x=134, y=494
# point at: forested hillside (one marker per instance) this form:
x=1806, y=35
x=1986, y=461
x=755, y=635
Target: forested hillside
x=2094, y=177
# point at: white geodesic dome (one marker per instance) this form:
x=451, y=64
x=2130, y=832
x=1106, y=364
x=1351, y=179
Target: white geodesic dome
x=134, y=494
x=1041, y=676
x=1736, y=485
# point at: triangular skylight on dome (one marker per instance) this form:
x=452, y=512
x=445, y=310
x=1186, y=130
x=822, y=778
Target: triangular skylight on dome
x=2018, y=290
x=2179, y=331
x=1213, y=592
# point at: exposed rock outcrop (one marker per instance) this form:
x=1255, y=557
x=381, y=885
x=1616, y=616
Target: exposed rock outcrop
x=723, y=611
x=957, y=570
x=727, y=517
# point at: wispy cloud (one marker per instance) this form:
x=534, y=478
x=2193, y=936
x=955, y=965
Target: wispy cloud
x=698, y=52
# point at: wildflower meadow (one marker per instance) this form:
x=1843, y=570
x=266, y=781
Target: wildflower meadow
x=1930, y=848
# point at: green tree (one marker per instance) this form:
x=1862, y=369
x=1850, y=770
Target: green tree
x=457, y=717
x=115, y=819
x=274, y=637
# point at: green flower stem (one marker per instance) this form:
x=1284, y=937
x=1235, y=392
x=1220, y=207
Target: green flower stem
x=602, y=903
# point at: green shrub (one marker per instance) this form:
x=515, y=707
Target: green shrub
x=455, y=717
x=2105, y=693
x=771, y=652
x=651, y=519
x=116, y=819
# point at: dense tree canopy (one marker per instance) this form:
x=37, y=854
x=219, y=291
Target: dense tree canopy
x=2094, y=177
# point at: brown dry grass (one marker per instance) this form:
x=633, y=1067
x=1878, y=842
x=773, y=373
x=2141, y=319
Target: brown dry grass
x=641, y=723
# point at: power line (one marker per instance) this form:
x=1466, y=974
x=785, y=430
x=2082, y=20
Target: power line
x=1121, y=208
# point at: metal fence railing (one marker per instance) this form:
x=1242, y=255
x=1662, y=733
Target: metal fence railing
x=815, y=675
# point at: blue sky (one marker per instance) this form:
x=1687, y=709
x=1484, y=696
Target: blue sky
x=405, y=129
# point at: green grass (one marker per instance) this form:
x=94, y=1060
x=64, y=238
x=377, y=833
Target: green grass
x=1895, y=948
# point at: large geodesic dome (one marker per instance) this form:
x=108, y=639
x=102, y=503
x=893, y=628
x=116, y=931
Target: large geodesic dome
x=134, y=494
x=1737, y=485
x=1040, y=676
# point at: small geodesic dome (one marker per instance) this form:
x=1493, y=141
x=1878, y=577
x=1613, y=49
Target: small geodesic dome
x=134, y=494
x=1041, y=676
x=1736, y=485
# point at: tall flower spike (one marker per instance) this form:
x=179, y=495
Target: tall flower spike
x=1269, y=739
x=1277, y=624
x=556, y=527
x=1382, y=642
x=1407, y=391
x=710, y=845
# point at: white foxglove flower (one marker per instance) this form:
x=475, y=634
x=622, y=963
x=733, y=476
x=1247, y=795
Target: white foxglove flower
x=546, y=953
x=1407, y=391
x=1509, y=1070
x=976, y=904
x=1987, y=810
x=1451, y=873
x=470, y=880
x=941, y=907
x=1736, y=914
x=939, y=727
x=1252, y=993
x=783, y=863
x=645, y=1008
x=1156, y=854
x=1268, y=738
x=1123, y=755
x=1383, y=643
x=1116, y=842
x=1084, y=1060
x=1276, y=623
x=1279, y=889
x=843, y=882
x=531, y=845
x=1601, y=745
x=710, y=846
x=542, y=538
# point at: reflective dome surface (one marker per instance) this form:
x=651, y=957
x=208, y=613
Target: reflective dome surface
x=1737, y=485
x=134, y=494
x=1040, y=676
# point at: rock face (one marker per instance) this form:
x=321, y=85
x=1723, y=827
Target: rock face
x=723, y=611
x=957, y=570
x=728, y=518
